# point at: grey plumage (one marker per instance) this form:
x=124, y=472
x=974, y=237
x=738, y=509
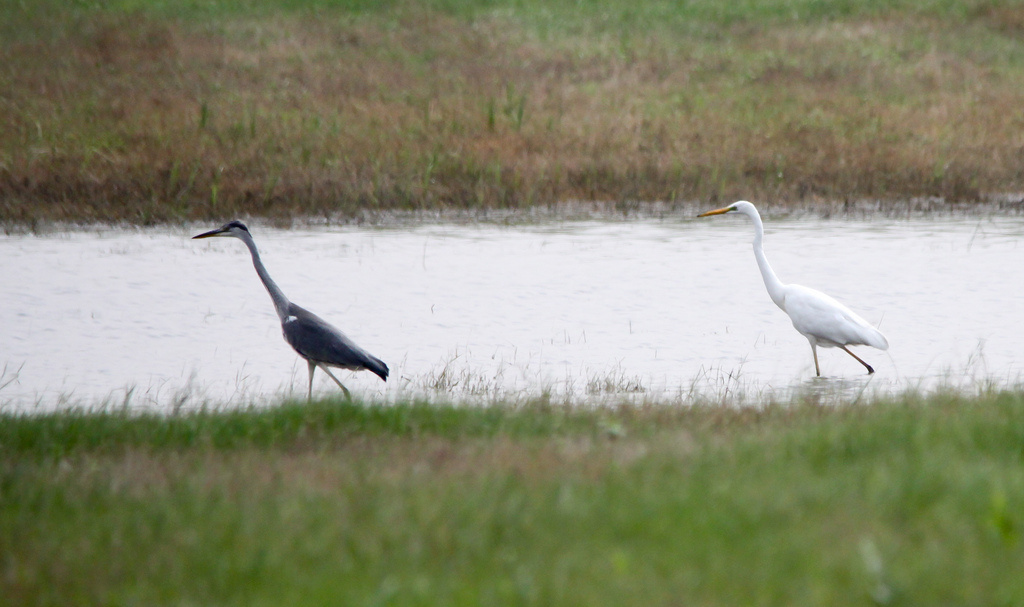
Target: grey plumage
x=315, y=339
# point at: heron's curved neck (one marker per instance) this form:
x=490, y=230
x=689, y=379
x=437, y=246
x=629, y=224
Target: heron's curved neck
x=771, y=281
x=280, y=301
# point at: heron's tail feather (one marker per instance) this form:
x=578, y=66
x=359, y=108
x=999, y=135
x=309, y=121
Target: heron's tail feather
x=378, y=367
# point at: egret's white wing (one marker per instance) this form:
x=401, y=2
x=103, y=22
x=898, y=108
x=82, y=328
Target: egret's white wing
x=815, y=314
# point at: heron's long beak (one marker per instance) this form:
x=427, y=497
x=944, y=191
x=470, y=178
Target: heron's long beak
x=209, y=234
x=715, y=212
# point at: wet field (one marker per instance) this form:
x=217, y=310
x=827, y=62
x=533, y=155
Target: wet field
x=646, y=307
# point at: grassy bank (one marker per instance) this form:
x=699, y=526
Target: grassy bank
x=911, y=501
x=148, y=111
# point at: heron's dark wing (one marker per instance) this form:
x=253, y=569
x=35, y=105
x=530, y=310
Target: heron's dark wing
x=317, y=340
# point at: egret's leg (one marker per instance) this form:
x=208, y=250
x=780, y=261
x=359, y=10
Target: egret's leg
x=870, y=370
x=814, y=351
x=312, y=368
x=348, y=395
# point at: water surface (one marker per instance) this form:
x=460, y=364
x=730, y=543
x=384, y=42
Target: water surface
x=640, y=306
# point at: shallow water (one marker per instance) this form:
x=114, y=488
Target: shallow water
x=642, y=306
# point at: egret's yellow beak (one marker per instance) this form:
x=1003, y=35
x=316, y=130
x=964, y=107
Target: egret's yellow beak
x=210, y=234
x=715, y=212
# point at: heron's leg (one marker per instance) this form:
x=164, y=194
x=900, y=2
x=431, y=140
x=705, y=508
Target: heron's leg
x=348, y=394
x=870, y=370
x=312, y=368
x=814, y=351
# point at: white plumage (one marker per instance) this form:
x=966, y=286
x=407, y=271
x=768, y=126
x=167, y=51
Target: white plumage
x=821, y=319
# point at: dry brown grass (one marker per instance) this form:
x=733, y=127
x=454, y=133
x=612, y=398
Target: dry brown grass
x=129, y=118
x=316, y=469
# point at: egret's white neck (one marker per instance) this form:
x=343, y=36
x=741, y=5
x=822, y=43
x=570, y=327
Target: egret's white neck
x=771, y=281
x=276, y=295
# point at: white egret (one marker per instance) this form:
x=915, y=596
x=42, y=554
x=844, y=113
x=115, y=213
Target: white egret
x=821, y=319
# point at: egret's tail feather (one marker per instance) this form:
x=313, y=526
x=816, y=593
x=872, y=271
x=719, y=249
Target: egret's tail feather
x=878, y=340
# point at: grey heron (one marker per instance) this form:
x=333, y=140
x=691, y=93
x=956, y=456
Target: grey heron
x=821, y=319
x=316, y=340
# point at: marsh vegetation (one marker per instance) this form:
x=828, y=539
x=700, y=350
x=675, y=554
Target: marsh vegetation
x=153, y=111
x=146, y=112
x=907, y=501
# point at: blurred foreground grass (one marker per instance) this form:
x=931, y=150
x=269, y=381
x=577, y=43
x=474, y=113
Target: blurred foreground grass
x=144, y=111
x=907, y=501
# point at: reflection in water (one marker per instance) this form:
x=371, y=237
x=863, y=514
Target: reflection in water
x=641, y=308
x=828, y=390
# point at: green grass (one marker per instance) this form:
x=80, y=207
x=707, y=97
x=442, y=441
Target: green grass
x=905, y=501
x=152, y=111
